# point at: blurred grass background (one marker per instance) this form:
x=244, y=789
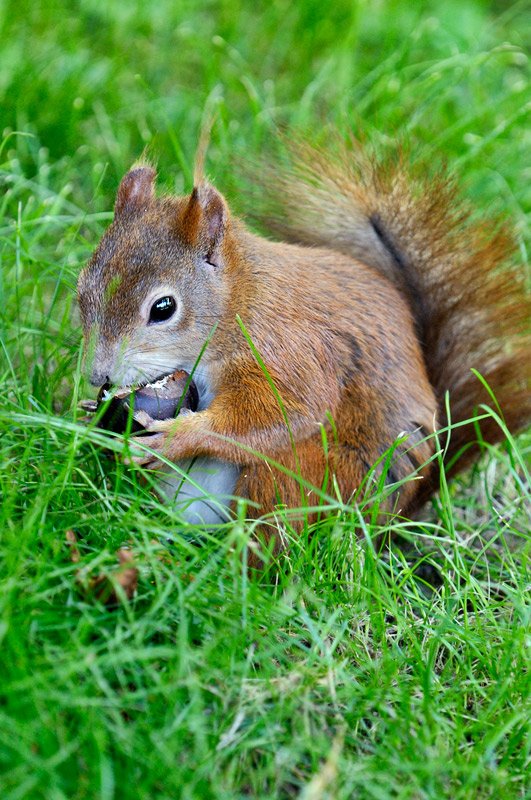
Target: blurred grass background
x=340, y=674
x=97, y=82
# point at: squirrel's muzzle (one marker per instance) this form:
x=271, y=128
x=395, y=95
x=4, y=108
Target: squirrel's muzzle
x=98, y=378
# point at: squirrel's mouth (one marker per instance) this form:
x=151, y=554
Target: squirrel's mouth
x=156, y=383
x=161, y=399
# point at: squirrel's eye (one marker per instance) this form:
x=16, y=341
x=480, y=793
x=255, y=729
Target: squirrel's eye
x=162, y=309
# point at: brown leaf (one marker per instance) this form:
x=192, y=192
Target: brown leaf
x=103, y=587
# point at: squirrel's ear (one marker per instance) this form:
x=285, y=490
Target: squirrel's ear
x=136, y=191
x=205, y=220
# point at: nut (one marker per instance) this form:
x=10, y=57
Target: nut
x=162, y=399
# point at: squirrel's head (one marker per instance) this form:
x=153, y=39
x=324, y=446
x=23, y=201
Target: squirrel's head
x=155, y=286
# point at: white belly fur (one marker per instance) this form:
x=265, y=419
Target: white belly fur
x=200, y=489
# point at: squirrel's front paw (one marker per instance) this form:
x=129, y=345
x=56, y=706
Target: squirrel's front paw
x=148, y=449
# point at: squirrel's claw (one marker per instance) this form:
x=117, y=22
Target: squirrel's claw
x=155, y=437
x=147, y=461
x=151, y=425
x=156, y=442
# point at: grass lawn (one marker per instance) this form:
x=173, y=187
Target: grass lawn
x=347, y=670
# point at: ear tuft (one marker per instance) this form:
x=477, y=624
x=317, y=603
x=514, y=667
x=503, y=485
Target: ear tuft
x=136, y=191
x=206, y=219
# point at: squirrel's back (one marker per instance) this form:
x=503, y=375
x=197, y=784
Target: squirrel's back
x=467, y=297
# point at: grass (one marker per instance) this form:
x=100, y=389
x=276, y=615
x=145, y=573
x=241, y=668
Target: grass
x=341, y=672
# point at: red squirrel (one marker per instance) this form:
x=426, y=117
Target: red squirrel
x=380, y=298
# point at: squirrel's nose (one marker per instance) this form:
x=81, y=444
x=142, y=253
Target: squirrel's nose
x=98, y=378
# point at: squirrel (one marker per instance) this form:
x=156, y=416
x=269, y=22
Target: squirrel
x=380, y=297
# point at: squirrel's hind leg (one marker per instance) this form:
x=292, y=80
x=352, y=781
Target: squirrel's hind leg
x=271, y=489
x=297, y=500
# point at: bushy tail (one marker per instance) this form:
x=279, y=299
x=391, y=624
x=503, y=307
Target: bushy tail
x=469, y=302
